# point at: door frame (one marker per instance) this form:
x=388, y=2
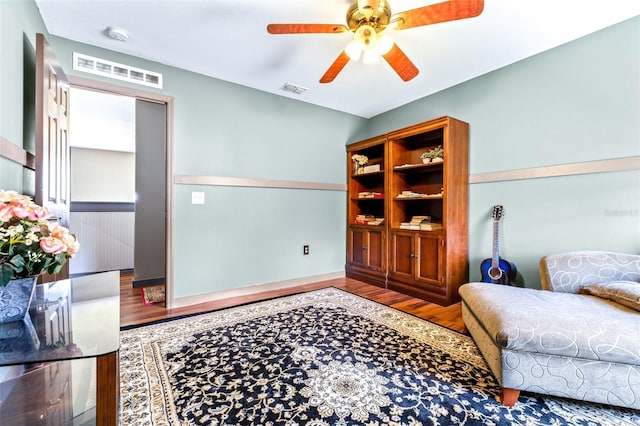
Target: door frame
x=100, y=86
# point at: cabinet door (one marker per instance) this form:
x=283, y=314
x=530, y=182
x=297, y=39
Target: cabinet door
x=429, y=259
x=357, y=240
x=367, y=248
x=375, y=249
x=402, y=255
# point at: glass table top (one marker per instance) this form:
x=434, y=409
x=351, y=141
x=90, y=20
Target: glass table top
x=68, y=319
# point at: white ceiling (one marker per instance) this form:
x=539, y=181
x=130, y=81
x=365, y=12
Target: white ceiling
x=227, y=39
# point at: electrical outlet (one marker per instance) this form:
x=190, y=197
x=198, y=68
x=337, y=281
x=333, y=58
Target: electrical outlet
x=305, y=249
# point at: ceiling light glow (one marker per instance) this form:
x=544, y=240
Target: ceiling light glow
x=370, y=56
x=354, y=49
x=384, y=45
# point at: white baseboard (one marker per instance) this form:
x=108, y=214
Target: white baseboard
x=252, y=289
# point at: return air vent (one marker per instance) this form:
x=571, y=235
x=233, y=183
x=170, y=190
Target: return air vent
x=288, y=87
x=115, y=70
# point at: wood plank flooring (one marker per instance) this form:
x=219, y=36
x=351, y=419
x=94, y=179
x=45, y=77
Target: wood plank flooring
x=133, y=312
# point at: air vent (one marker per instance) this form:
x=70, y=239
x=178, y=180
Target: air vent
x=115, y=70
x=288, y=87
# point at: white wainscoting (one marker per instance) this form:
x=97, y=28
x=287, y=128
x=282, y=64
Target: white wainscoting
x=106, y=241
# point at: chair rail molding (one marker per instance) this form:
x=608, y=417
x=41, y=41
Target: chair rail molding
x=256, y=183
x=17, y=154
x=587, y=167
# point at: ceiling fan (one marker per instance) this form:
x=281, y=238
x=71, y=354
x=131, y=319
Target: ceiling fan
x=368, y=20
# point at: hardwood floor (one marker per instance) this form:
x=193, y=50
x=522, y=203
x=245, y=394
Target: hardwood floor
x=133, y=312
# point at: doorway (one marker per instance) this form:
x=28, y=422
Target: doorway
x=118, y=207
x=103, y=193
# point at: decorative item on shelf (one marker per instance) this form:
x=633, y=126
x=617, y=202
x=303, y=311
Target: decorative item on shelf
x=29, y=245
x=370, y=194
x=359, y=161
x=372, y=168
x=429, y=226
x=410, y=194
x=367, y=219
x=415, y=222
x=414, y=194
x=434, y=155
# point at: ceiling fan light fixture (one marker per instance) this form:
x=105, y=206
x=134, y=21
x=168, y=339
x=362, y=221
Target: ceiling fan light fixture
x=369, y=19
x=370, y=56
x=366, y=35
x=368, y=43
x=354, y=49
x=384, y=45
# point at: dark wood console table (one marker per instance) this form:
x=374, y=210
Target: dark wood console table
x=52, y=378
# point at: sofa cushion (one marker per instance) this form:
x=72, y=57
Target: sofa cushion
x=561, y=324
x=624, y=292
x=568, y=272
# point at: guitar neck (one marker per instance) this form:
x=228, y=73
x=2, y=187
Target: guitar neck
x=496, y=254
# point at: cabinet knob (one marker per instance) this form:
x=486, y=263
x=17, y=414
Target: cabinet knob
x=365, y=248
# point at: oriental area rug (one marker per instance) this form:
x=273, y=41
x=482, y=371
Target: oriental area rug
x=322, y=358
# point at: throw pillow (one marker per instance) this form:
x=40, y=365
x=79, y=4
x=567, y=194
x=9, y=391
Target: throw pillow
x=626, y=293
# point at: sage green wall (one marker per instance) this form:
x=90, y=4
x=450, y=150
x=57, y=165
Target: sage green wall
x=247, y=236
x=578, y=102
x=19, y=23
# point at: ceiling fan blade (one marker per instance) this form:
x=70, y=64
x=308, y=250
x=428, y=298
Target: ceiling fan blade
x=335, y=68
x=400, y=63
x=440, y=12
x=305, y=28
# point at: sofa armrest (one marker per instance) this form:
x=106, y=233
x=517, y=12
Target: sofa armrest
x=569, y=272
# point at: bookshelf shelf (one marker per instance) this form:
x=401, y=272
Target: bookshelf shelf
x=367, y=175
x=419, y=198
x=419, y=168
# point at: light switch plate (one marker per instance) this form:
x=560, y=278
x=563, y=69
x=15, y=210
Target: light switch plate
x=197, y=198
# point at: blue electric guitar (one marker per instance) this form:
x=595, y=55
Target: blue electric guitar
x=497, y=270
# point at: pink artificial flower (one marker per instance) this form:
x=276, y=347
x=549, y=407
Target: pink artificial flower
x=37, y=213
x=6, y=213
x=9, y=196
x=52, y=245
x=57, y=231
x=19, y=209
x=72, y=244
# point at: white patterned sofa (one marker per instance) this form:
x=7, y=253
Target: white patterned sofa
x=579, y=339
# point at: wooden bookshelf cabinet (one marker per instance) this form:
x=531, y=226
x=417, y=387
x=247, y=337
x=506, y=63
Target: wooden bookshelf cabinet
x=430, y=264
x=367, y=243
